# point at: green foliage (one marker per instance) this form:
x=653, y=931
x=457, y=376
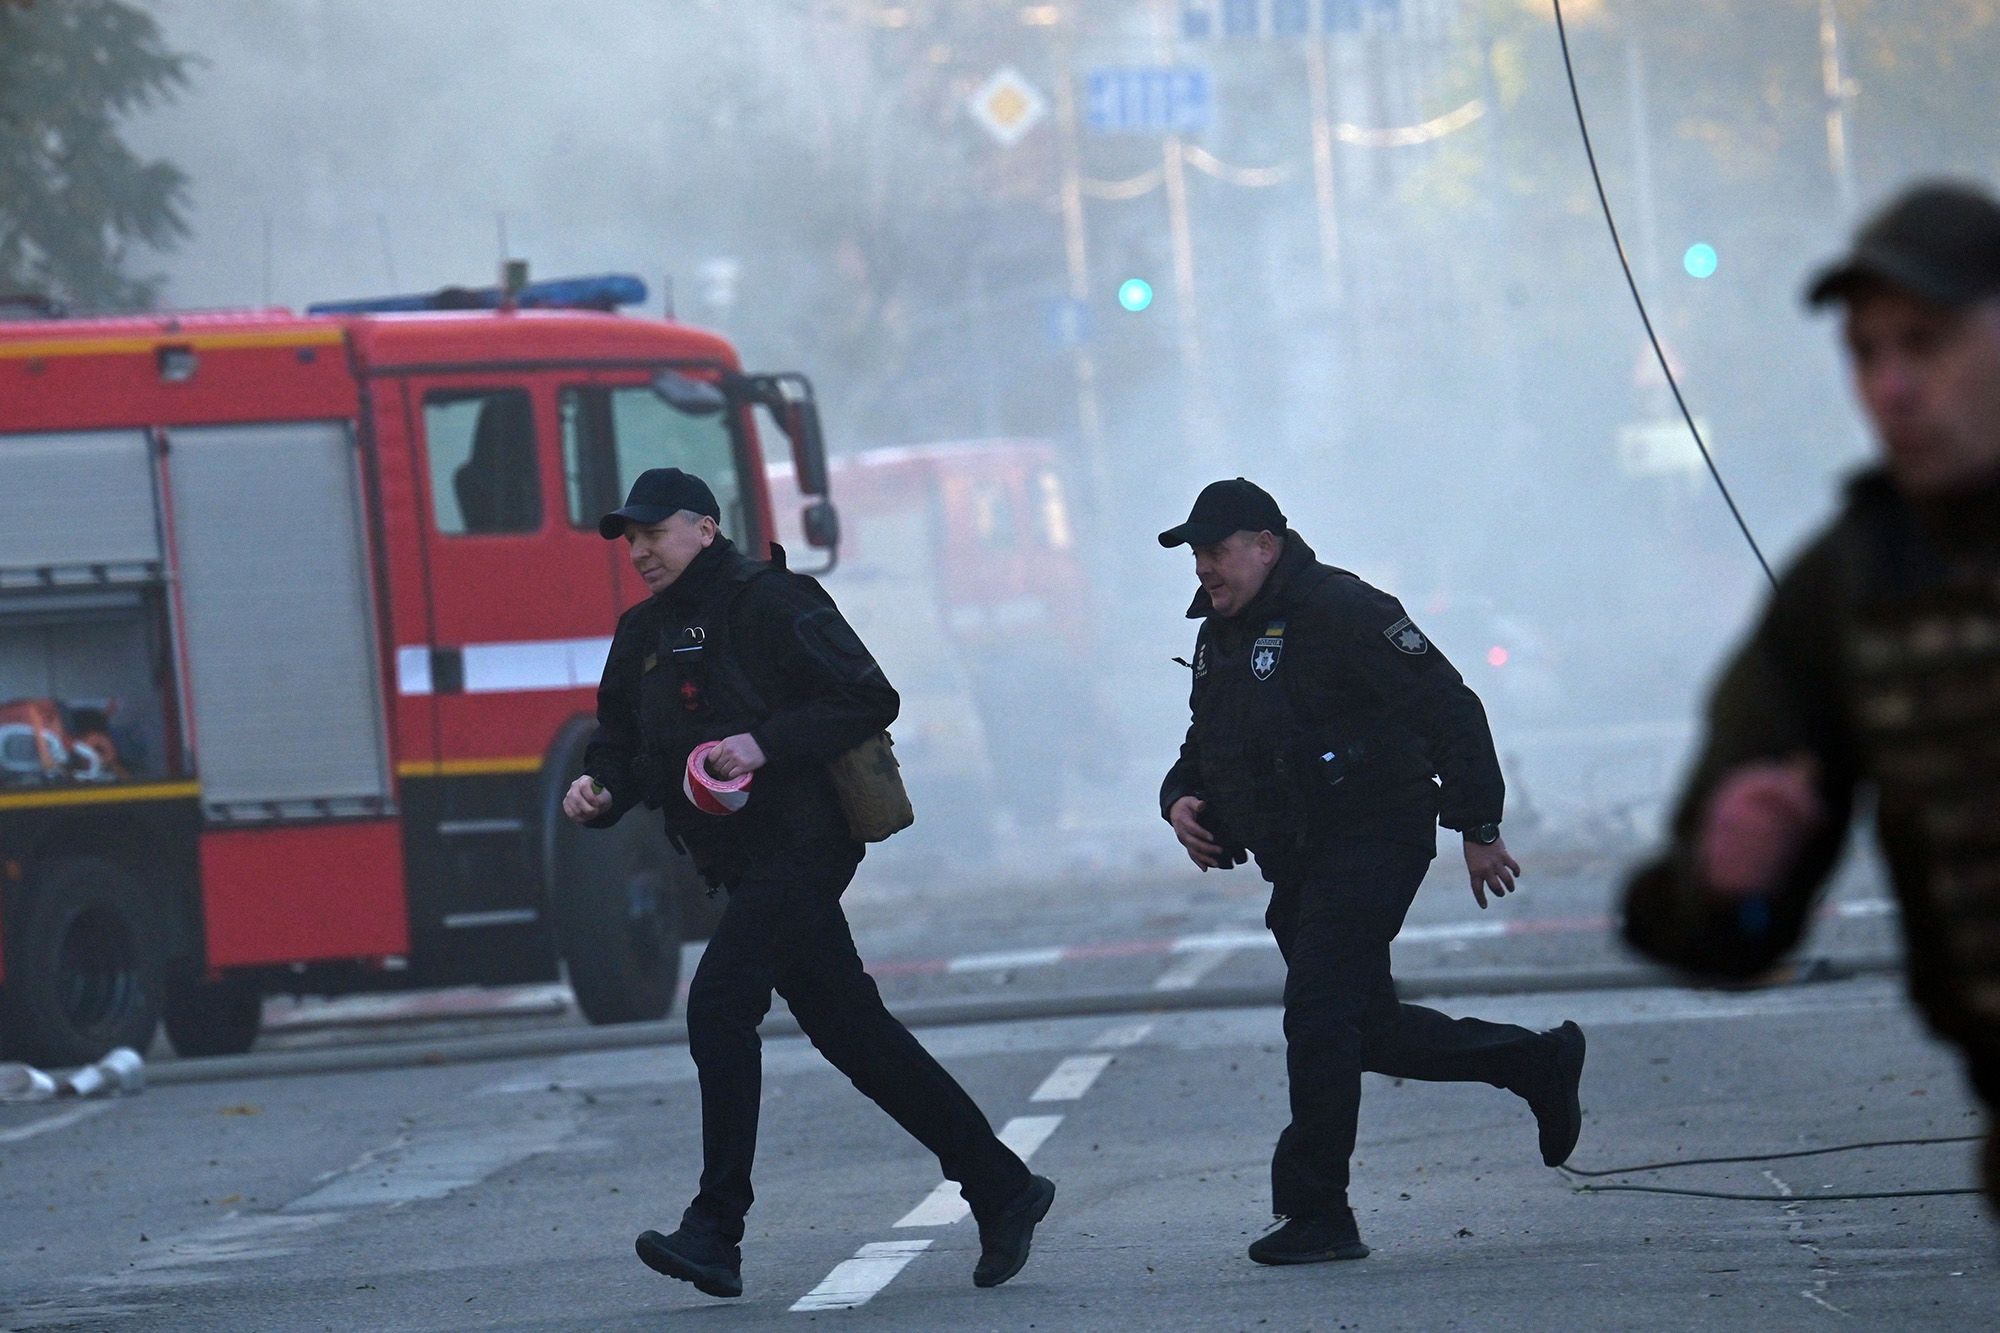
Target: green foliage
x=74, y=198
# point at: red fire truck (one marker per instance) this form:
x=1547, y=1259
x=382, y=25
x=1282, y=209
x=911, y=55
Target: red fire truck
x=964, y=571
x=301, y=620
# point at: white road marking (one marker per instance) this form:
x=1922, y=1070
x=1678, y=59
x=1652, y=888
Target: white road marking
x=1225, y=940
x=1071, y=1079
x=855, y=1281
x=1125, y=1035
x=59, y=1121
x=237, y=1238
x=435, y=1161
x=1468, y=930
x=1189, y=971
x=944, y=1206
x=1001, y=962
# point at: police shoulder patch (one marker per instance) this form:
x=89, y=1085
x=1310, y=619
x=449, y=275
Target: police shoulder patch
x=1264, y=655
x=1407, y=638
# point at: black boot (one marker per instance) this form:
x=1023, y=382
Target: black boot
x=1554, y=1098
x=1004, y=1237
x=701, y=1257
x=1320, y=1238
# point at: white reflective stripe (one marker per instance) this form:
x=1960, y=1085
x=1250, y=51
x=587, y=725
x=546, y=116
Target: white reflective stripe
x=511, y=668
x=413, y=671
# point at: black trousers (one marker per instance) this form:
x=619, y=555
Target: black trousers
x=1334, y=911
x=791, y=936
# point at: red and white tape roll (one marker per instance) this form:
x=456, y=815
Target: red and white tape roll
x=706, y=792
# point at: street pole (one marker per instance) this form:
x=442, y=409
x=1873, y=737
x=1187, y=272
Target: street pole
x=1838, y=91
x=1321, y=94
x=1076, y=257
x=1198, y=412
x=1642, y=164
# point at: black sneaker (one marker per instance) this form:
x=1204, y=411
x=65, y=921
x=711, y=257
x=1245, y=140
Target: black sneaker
x=1311, y=1240
x=1558, y=1108
x=701, y=1257
x=1004, y=1237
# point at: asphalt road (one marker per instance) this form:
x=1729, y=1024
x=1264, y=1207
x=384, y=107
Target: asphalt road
x=506, y=1195
x=1150, y=925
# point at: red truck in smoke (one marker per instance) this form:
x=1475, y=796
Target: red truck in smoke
x=963, y=569
x=301, y=620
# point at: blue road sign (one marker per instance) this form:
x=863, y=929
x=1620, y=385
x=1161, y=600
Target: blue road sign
x=1147, y=99
x=1205, y=19
x=1068, y=322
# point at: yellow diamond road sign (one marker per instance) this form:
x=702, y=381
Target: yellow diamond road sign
x=1008, y=106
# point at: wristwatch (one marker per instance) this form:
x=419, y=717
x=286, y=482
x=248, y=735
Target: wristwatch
x=1483, y=833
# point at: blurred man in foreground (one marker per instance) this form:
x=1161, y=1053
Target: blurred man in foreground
x=1877, y=663
x=1321, y=716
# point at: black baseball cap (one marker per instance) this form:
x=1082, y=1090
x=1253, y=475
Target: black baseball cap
x=1223, y=508
x=1939, y=241
x=657, y=494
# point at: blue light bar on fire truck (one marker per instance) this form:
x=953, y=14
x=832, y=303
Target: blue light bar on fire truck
x=605, y=291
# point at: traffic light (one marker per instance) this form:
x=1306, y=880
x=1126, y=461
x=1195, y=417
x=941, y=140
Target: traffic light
x=1135, y=294
x=1700, y=260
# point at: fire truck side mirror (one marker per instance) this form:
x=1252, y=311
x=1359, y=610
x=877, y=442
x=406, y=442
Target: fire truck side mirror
x=822, y=525
x=697, y=398
x=799, y=418
x=788, y=397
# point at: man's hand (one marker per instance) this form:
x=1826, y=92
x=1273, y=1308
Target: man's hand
x=1491, y=868
x=734, y=757
x=1202, y=848
x=1756, y=825
x=585, y=800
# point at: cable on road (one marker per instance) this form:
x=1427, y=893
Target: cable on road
x=1632, y=283
x=1768, y=1157
x=1768, y=1198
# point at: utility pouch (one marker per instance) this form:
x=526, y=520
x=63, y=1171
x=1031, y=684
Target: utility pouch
x=869, y=783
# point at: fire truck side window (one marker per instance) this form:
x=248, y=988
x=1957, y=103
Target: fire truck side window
x=484, y=474
x=993, y=515
x=612, y=434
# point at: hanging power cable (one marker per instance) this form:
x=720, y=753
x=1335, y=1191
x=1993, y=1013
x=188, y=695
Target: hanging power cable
x=1768, y=1157
x=1583, y=128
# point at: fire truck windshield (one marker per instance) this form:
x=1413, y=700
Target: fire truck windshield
x=613, y=433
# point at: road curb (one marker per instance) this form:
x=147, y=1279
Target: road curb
x=419, y=1053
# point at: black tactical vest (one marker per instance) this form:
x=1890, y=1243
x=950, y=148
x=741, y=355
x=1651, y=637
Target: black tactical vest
x=1255, y=745
x=693, y=689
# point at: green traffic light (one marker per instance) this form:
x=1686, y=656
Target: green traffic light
x=1700, y=261
x=1135, y=294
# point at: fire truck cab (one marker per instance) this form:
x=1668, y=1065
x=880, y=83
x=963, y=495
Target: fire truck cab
x=301, y=622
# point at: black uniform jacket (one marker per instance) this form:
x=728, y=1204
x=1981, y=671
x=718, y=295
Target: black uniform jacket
x=1321, y=662
x=817, y=694
x=1877, y=657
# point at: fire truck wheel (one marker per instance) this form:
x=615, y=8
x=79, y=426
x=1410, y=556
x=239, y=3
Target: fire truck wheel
x=85, y=970
x=617, y=923
x=213, y=1017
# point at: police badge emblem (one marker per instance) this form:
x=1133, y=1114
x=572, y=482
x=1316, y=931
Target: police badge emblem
x=1264, y=657
x=1407, y=638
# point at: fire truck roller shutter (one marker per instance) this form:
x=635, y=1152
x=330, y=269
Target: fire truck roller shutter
x=78, y=501
x=615, y=897
x=280, y=628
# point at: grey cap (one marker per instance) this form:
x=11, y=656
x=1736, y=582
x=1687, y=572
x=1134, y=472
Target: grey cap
x=1939, y=241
